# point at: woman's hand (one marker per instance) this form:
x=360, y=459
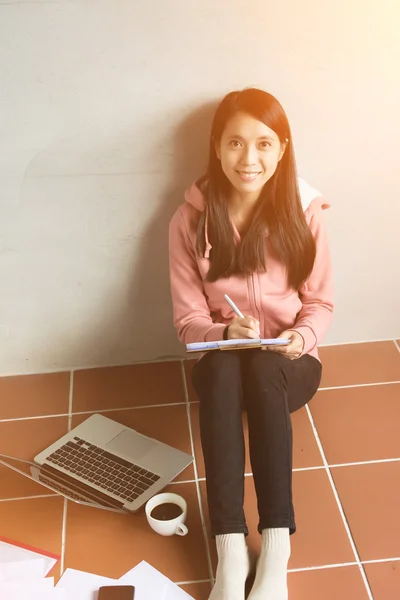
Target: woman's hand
x=243, y=328
x=294, y=349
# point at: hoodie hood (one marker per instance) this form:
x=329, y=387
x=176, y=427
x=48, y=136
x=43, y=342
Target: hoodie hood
x=195, y=197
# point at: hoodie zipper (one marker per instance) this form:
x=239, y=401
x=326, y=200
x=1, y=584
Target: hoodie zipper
x=252, y=297
x=257, y=301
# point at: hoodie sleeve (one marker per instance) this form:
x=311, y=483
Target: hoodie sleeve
x=192, y=317
x=315, y=317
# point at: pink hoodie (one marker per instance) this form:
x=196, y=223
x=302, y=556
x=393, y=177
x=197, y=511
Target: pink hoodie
x=200, y=311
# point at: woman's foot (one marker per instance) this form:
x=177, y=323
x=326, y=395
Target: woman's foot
x=271, y=577
x=233, y=567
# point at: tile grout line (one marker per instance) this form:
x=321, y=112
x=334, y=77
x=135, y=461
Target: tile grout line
x=199, y=499
x=65, y=505
x=125, y=408
x=35, y=418
x=340, y=507
x=322, y=567
x=166, y=359
x=200, y=479
x=357, y=385
x=380, y=560
x=341, y=565
x=298, y=470
x=348, y=564
x=63, y=536
x=91, y=412
x=157, y=361
x=315, y=568
x=378, y=461
x=30, y=497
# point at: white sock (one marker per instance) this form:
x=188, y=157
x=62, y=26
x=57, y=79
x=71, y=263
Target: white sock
x=271, y=576
x=233, y=567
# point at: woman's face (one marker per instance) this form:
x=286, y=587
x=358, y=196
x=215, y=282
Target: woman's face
x=249, y=152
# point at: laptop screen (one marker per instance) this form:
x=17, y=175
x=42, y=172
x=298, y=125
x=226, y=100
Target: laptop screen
x=61, y=484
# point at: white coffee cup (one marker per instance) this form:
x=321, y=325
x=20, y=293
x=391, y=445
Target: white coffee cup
x=172, y=526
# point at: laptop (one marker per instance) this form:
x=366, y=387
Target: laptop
x=104, y=464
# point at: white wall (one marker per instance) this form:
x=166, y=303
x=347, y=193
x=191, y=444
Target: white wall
x=105, y=109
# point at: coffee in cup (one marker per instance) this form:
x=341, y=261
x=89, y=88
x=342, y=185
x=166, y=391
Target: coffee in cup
x=166, y=514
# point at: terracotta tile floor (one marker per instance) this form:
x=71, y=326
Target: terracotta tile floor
x=346, y=480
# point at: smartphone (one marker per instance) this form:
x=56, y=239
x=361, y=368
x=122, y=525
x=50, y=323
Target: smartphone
x=116, y=592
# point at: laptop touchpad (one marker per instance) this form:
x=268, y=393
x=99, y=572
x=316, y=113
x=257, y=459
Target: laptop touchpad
x=131, y=444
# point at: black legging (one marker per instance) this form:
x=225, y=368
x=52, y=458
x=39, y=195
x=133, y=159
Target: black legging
x=269, y=387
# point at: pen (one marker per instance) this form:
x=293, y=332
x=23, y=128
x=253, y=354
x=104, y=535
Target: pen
x=233, y=306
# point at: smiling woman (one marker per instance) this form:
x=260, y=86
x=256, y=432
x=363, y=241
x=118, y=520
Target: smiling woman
x=250, y=150
x=252, y=184
x=245, y=230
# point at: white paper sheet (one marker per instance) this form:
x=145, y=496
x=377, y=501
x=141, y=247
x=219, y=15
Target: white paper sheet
x=54, y=594
x=33, y=590
x=79, y=585
x=150, y=584
x=22, y=577
x=10, y=553
x=22, y=569
x=43, y=584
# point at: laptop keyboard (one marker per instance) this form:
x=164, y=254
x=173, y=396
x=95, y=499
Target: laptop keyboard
x=62, y=489
x=108, y=471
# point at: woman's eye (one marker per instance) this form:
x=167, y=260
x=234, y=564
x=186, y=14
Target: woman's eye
x=265, y=145
x=234, y=143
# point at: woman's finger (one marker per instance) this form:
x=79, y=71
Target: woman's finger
x=251, y=323
x=250, y=333
x=240, y=332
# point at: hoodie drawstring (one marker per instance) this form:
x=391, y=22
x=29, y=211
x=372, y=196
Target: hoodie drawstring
x=208, y=245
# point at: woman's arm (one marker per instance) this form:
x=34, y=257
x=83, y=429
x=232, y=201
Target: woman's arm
x=316, y=294
x=192, y=317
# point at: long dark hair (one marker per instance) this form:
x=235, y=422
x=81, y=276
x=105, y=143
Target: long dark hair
x=278, y=208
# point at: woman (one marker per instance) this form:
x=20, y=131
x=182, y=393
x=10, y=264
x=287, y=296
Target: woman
x=252, y=230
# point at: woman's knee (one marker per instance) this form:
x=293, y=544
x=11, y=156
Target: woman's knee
x=264, y=361
x=216, y=369
x=263, y=369
x=215, y=362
